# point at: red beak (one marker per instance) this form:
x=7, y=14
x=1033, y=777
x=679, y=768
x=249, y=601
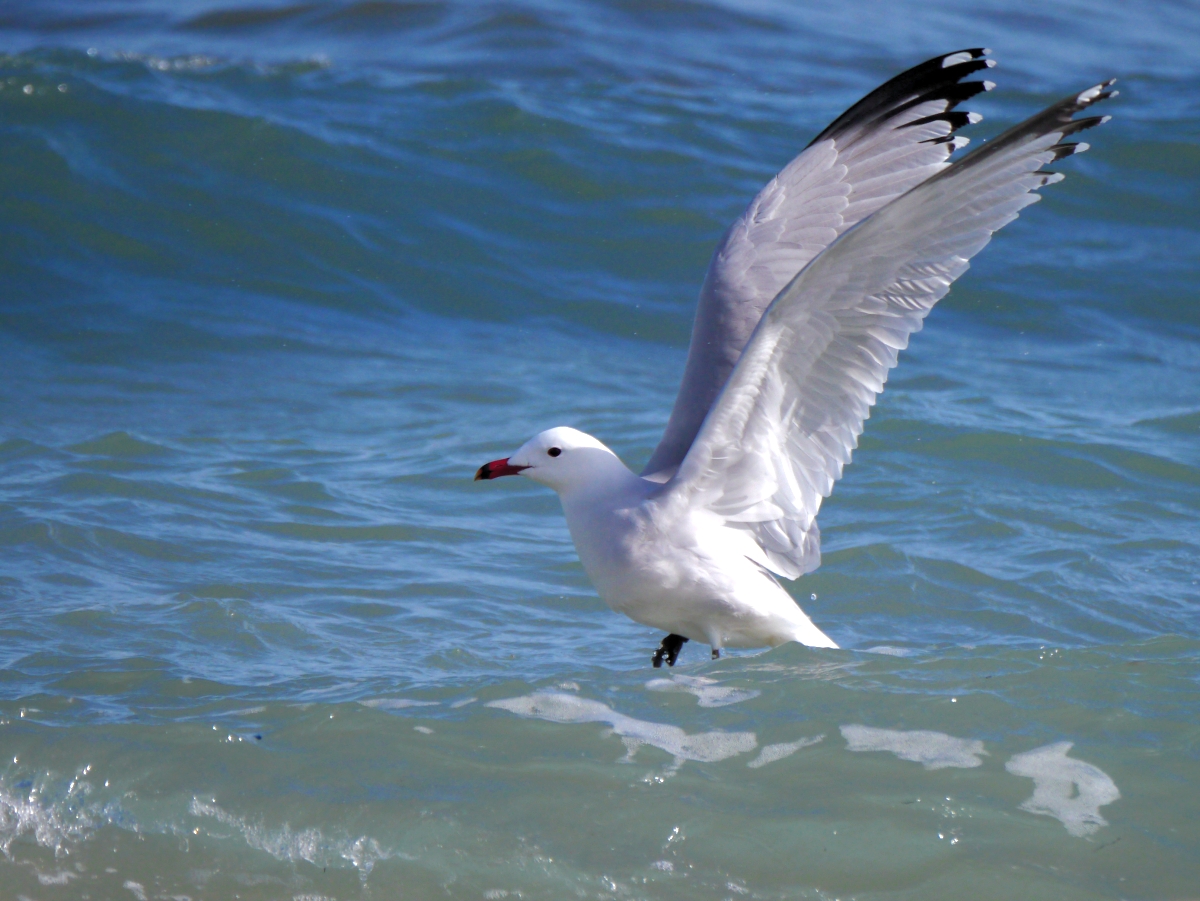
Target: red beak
x=497, y=468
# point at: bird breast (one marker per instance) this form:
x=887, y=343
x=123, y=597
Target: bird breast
x=633, y=556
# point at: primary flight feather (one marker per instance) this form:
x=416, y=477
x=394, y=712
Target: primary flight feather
x=809, y=298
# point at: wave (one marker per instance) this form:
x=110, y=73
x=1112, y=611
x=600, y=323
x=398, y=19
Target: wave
x=55, y=813
x=285, y=843
x=63, y=815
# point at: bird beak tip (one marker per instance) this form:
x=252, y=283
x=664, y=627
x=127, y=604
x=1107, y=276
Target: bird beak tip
x=497, y=468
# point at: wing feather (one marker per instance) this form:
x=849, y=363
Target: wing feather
x=789, y=417
x=894, y=138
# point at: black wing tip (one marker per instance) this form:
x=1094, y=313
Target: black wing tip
x=1068, y=148
x=1056, y=119
x=1060, y=117
x=1095, y=94
x=976, y=58
x=957, y=57
x=939, y=78
x=954, y=118
x=1076, y=125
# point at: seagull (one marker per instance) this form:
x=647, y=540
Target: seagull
x=809, y=298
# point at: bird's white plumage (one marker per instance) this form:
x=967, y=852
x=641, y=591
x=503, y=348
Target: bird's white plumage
x=851, y=245
x=689, y=575
x=784, y=427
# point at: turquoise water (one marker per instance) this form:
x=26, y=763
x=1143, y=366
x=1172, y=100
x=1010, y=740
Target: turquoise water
x=275, y=279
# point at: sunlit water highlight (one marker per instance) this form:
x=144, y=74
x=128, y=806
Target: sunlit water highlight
x=277, y=278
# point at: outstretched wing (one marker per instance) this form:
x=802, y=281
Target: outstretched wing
x=791, y=413
x=893, y=139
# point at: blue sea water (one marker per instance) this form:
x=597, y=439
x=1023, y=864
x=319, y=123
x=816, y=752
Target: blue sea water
x=276, y=277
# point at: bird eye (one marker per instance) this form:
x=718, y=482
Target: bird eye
x=554, y=451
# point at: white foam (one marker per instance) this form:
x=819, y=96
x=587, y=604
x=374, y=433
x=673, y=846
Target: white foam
x=395, y=703
x=706, y=747
x=193, y=63
x=139, y=890
x=933, y=750
x=1069, y=790
x=780, y=750
x=890, y=651
x=53, y=816
x=284, y=843
x=708, y=693
x=62, y=877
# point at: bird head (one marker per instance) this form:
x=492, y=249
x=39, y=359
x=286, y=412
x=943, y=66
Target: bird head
x=561, y=458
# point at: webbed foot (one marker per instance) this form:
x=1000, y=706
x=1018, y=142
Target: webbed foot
x=716, y=654
x=670, y=648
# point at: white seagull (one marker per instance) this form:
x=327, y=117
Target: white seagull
x=808, y=300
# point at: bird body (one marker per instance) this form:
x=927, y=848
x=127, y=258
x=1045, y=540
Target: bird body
x=808, y=301
x=660, y=562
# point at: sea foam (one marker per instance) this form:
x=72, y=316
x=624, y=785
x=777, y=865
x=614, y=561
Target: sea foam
x=1067, y=789
x=557, y=707
x=707, y=691
x=285, y=843
x=933, y=750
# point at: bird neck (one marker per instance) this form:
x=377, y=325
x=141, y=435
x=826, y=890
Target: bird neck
x=602, y=511
x=609, y=483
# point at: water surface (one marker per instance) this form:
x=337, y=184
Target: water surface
x=277, y=278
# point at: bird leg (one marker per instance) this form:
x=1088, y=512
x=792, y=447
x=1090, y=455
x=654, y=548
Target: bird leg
x=716, y=654
x=670, y=648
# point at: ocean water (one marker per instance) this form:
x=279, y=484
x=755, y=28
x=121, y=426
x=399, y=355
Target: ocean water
x=276, y=277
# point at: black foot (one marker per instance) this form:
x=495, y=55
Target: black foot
x=670, y=648
x=716, y=653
